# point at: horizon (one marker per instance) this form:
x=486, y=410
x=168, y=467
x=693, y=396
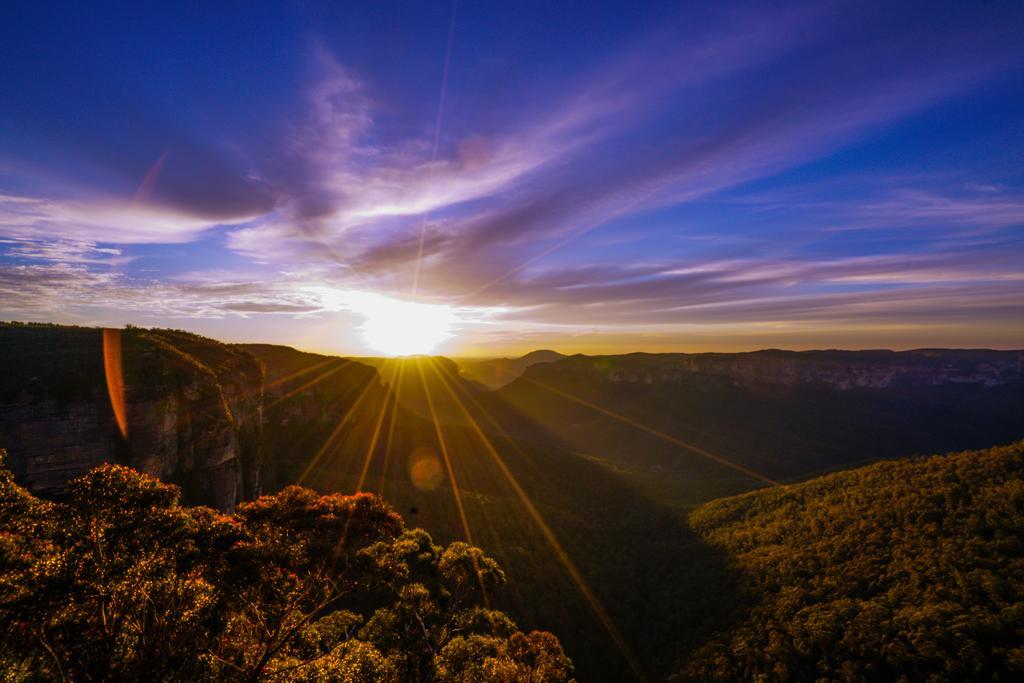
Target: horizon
x=594, y=354
x=478, y=182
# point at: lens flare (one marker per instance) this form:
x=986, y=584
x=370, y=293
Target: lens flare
x=425, y=469
x=115, y=378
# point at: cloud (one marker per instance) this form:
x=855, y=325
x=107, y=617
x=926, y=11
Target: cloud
x=765, y=289
x=340, y=176
x=60, y=288
x=346, y=201
x=62, y=251
x=993, y=210
x=659, y=127
x=103, y=221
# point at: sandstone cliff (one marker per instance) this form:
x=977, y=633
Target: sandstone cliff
x=838, y=369
x=192, y=409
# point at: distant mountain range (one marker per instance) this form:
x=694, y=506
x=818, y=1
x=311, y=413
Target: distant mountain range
x=494, y=373
x=606, y=455
x=672, y=423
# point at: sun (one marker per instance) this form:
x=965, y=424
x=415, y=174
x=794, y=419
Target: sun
x=403, y=328
x=393, y=327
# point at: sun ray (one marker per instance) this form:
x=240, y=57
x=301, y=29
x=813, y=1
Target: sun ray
x=376, y=434
x=366, y=466
x=442, y=444
x=298, y=373
x=654, y=432
x=316, y=380
x=451, y=475
x=546, y=531
x=397, y=391
x=314, y=461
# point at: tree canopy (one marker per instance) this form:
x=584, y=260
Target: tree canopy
x=904, y=570
x=120, y=582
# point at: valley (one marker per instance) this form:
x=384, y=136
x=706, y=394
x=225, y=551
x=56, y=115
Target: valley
x=581, y=477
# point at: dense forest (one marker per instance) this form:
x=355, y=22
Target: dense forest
x=120, y=582
x=903, y=570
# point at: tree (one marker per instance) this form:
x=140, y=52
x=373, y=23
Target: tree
x=121, y=582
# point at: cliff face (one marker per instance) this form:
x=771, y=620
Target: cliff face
x=783, y=415
x=316, y=408
x=837, y=369
x=238, y=376
x=192, y=410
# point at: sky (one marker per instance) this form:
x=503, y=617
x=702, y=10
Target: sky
x=488, y=178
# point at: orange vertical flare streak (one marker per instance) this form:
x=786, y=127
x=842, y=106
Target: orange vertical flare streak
x=114, y=373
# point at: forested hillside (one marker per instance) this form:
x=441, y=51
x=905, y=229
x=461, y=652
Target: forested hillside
x=904, y=570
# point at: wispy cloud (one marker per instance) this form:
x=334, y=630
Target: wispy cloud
x=689, y=112
x=62, y=251
x=108, y=220
x=583, y=167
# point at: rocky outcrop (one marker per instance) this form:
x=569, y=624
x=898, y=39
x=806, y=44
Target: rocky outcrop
x=842, y=370
x=192, y=409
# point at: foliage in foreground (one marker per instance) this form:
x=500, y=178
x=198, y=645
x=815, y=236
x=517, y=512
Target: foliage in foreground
x=120, y=582
x=905, y=570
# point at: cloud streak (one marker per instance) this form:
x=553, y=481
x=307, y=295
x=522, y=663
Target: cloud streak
x=671, y=182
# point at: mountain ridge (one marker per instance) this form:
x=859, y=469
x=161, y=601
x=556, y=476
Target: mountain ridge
x=494, y=373
x=843, y=368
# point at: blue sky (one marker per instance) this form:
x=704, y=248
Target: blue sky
x=599, y=177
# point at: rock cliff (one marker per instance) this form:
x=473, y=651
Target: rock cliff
x=191, y=409
x=837, y=369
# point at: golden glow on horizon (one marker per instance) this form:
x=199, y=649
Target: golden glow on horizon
x=402, y=328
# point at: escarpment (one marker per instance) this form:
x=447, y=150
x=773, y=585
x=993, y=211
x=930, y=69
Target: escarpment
x=842, y=370
x=229, y=422
x=191, y=406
